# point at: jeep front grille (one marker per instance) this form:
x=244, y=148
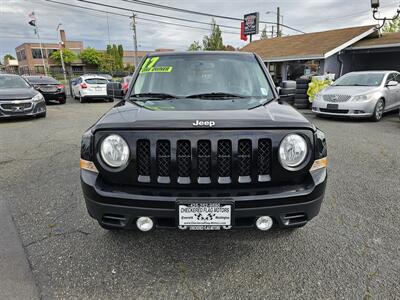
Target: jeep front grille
x=203, y=161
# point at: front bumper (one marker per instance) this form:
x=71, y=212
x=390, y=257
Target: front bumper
x=21, y=108
x=362, y=109
x=289, y=206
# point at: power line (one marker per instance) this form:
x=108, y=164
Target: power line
x=128, y=16
x=154, y=14
x=145, y=3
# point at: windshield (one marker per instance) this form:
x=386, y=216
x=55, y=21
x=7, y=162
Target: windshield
x=204, y=75
x=12, y=82
x=41, y=80
x=360, y=79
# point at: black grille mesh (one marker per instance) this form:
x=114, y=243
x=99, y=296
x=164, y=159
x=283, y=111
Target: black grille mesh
x=204, y=158
x=264, y=156
x=224, y=157
x=184, y=158
x=244, y=156
x=163, y=152
x=143, y=157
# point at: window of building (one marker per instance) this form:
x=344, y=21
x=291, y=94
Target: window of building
x=77, y=69
x=50, y=51
x=21, y=55
x=39, y=70
x=36, y=53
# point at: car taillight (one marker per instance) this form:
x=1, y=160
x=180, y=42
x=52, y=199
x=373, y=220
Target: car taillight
x=84, y=85
x=125, y=86
x=60, y=86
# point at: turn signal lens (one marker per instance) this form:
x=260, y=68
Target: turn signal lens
x=88, y=165
x=319, y=164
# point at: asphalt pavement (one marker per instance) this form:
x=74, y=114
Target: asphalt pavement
x=350, y=251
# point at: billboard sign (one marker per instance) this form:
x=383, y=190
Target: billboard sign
x=251, y=23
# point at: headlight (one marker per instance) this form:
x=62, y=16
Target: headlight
x=292, y=151
x=363, y=97
x=114, y=151
x=37, y=98
x=318, y=97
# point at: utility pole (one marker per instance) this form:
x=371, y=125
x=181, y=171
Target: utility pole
x=278, y=20
x=35, y=24
x=133, y=25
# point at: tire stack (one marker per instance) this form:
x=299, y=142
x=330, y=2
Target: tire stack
x=301, y=97
x=288, y=90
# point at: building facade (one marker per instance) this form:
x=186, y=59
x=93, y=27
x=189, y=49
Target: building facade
x=30, y=60
x=335, y=51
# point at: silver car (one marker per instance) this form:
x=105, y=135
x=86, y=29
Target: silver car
x=360, y=94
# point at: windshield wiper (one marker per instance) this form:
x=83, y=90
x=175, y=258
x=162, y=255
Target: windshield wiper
x=214, y=95
x=152, y=96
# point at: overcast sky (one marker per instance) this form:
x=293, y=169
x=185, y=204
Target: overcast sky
x=91, y=27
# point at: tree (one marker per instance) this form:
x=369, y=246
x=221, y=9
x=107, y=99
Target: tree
x=214, y=40
x=229, y=48
x=392, y=26
x=68, y=56
x=91, y=56
x=264, y=35
x=8, y=57
x=120, y=62
x=195, y=46
x=107, y=63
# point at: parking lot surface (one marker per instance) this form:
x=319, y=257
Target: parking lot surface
x=350, y=251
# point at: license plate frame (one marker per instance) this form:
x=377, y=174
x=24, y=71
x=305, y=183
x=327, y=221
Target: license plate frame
x=210, y=205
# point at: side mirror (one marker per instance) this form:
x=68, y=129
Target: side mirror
x=114, y=90
x=392, y=83
x=278, y=90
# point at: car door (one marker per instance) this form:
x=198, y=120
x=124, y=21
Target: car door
x=391, y=92
x=76, y=86
x=396, y=100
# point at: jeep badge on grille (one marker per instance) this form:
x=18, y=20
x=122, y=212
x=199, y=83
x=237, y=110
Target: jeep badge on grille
x=204, y=123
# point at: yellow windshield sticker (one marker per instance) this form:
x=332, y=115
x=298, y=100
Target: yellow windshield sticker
x=160, y=69
x=149, y=62
x=148, y=66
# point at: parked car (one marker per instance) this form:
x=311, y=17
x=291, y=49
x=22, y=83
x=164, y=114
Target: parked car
x=201, y=142
x=360, y=94
x=18, y=98
x=125, y=83
x=90, y=87
x=49, y=87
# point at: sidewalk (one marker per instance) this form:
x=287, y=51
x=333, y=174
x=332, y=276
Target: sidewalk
x=16, y=278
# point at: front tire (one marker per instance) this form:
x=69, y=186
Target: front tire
x=378, y=111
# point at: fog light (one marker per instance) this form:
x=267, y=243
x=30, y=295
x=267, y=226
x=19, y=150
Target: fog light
x=144, y=223
x=264, y=223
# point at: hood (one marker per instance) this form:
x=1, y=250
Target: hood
x=127, y=115
x=349, y=90
x=17, y=94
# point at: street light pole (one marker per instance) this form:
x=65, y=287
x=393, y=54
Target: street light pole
x=61, y=45
x=133, y=24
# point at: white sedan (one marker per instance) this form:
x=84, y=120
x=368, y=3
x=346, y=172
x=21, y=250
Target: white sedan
x=90, y=87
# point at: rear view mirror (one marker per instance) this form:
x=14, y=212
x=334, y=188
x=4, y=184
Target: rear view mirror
x=114, y=90
x=278, y=90
x=392, y=83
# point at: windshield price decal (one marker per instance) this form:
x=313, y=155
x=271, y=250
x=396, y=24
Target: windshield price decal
x=148, y=66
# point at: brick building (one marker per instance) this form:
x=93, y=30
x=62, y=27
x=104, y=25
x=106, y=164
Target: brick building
x=30, y=60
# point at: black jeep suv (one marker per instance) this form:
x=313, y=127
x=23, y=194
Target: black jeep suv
x=202, y=142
